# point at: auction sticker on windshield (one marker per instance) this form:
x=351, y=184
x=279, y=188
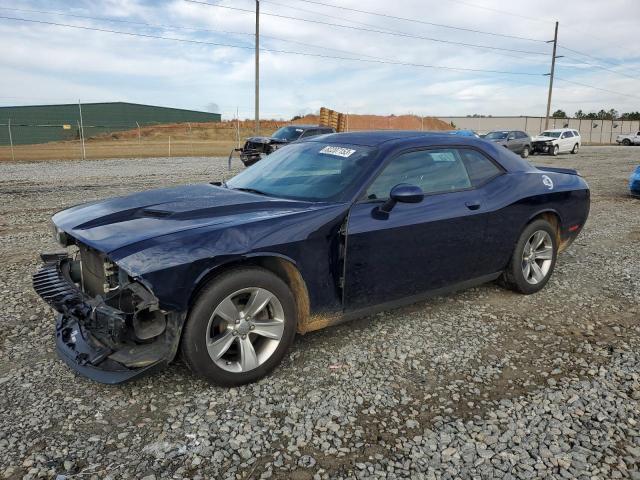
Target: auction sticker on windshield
x=338, y=151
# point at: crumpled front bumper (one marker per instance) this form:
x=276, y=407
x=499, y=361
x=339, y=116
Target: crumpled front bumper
x=79, y=350
x=249, y=157
x=542, y=147
x=75, y=343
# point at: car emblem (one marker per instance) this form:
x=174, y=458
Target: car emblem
x=547, y=182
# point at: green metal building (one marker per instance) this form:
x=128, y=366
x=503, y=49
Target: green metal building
x=50, y=123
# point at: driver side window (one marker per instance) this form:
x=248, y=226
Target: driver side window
x=434, y=171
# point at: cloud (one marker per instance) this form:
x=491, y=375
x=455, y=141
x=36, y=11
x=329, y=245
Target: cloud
x=62, y=64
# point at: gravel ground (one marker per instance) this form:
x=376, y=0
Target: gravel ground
x=481, y=384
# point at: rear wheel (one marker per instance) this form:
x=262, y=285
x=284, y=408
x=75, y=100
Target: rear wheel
x=555, y=151
x=533, y=259
x=575, y=149
x=525, y=151
x=626, y=142
x=240, y=327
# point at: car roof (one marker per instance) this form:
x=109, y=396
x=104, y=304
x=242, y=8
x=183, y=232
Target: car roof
x=389, y=141
x=378, y=137
x=558, y=129
x=307, y=127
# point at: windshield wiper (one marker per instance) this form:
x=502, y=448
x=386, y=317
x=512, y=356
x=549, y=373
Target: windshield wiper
x=251, y=190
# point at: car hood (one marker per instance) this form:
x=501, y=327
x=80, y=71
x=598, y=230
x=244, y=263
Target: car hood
x=542, y=138
x=111, y=224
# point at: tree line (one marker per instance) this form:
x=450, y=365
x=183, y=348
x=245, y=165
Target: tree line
x=611, y=114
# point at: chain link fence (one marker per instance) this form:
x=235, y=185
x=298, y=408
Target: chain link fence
x=592, y=131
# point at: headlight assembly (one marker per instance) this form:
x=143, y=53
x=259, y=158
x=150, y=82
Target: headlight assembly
x=60, y=236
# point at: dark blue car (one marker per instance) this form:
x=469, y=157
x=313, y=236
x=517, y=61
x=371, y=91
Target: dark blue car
x=325, y=230
x=634, y=182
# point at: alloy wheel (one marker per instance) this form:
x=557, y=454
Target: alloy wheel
x=245, y=329
x=537, y=257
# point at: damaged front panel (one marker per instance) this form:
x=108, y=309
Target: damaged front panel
x=109, y=327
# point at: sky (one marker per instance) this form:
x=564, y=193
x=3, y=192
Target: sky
x=42, y=63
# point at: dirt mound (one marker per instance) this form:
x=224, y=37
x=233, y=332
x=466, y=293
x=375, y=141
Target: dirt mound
x=381, y=122
x=227, y=128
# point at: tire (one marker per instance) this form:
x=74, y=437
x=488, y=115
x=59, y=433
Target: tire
x=525, y=151
x=248, y=344
x=526, y=281
x=556, y=150
x=575, y=149
x=626, y=142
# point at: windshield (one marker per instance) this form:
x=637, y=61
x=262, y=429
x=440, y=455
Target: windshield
x=313, y=171
x=550, y=134
x=496, y=135
x=288, y=133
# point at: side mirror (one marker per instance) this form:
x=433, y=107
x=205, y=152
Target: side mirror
x=403, y=193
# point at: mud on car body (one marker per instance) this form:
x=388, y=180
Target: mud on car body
x=313, y=235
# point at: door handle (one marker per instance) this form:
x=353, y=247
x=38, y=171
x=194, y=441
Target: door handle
x=473, y=205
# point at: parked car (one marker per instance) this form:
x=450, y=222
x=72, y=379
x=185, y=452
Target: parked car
x=634, y=182
x=515, y=140
x=629, y=139
x=327, y=229
x=257, y=147
x=560, y=140
x=464, y=133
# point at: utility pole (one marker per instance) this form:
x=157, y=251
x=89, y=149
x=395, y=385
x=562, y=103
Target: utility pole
x=84, y=152
x=13, y=157
x=257, y=96
x=553, y=67
x=237, y=127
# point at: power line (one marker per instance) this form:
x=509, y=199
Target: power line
x=422, y=22
x=598, y=88
x=306, y=54
x=583, y=62
x=615, y=64
x=500, y=11
x=175, y=27
x=388, y=30
x=362, y=29
x=322, y=14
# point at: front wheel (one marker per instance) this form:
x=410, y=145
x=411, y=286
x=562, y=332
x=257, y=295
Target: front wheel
x=626, y=142
x=533, y=259
x=525, y=151
x=240, y=327
x=556, y=150
x=575, y=149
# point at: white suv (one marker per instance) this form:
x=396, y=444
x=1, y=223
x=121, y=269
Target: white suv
x=557, y=141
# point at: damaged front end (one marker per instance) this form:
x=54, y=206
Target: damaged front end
x=257, y=147
x=109, y=326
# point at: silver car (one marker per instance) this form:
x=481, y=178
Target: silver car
x=515, y=140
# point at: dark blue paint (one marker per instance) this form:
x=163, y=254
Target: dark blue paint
x=173, y=238
x=634, y=182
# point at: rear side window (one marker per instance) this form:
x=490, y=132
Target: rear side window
x=479, y=167
x=309, y=133
x=521, y=135
x=575, y=133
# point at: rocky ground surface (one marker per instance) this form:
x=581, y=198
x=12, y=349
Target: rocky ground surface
x=479, y=384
